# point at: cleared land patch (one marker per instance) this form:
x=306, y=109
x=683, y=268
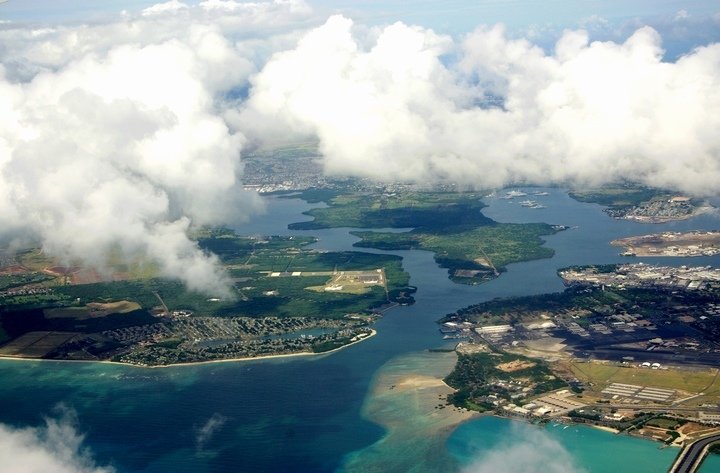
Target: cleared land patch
x=599, y=376
x=92, y=309
x=351, y=282
x=36, y=344
x=671, y=244
x=516, y=365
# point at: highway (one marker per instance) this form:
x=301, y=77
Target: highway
x=692, y=455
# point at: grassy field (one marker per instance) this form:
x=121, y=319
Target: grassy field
x=250, y=257
x=258, y=296
x=93, y=309
x=603, y=374
x=116, y=264
x=663, y=423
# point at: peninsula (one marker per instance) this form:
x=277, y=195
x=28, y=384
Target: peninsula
x=642, y=204
x=697, y=243
x=287, y=299
x=632, y=348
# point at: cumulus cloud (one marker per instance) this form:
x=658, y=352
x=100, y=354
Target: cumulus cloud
x=529, y=450
x=258, y=9
x=253, y=31
x=121, y=135
x=55, y=446
x=112, y=135
x=173, y=6
x=403, y=107
x=121, y=149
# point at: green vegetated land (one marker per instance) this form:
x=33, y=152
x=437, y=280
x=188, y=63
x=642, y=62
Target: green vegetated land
x=617, y=197
x=481, y=377
x=471, y=246
x=479, y=249
x=428, y=211
x=273, y=278
x=9, y=281
x=511, y=310
x=642, y=204
x=249, y=261
x=297, y=150
x=584, y=305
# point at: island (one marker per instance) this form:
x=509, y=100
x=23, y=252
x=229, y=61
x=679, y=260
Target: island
x=288, y=299
x=696, y=243
x=473, y=247
x=642, y=204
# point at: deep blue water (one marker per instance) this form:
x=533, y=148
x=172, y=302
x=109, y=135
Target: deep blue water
x=293, y=414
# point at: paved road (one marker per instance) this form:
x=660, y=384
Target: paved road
x=692, y=456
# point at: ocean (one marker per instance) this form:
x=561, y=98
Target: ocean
x=311, y=413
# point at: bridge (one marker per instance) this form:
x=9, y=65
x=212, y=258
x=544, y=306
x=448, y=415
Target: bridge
x=692, y=456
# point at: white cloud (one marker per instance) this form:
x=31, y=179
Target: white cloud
x=173, y=6
x=122, y=135
x=54, y=447
x=113, y=136
x=122, y=149
x=682, y=15
x=526, y=450
x=257, y=8
x=589, y=113
x=205, y=433
x=595, y=23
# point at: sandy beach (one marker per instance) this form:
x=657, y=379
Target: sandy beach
x=602, y=427
x=193, y=363
x=408, y=398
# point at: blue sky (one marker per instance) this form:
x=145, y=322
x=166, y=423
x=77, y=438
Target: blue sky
x=448, y=15
x=682, y=24
x=464, y=14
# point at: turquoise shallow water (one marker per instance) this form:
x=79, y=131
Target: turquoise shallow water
x=484, y=444
x=306, y=414
x=711, y=464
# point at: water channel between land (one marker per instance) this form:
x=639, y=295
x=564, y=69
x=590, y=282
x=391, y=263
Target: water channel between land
x=314, y=413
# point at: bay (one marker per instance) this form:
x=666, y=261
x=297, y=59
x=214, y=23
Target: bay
x=294, y=414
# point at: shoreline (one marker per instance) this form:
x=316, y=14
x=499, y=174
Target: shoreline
x=568, y=422
x=373, y=332
x=405, y=399
x=661, y=220
x=603, y=428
